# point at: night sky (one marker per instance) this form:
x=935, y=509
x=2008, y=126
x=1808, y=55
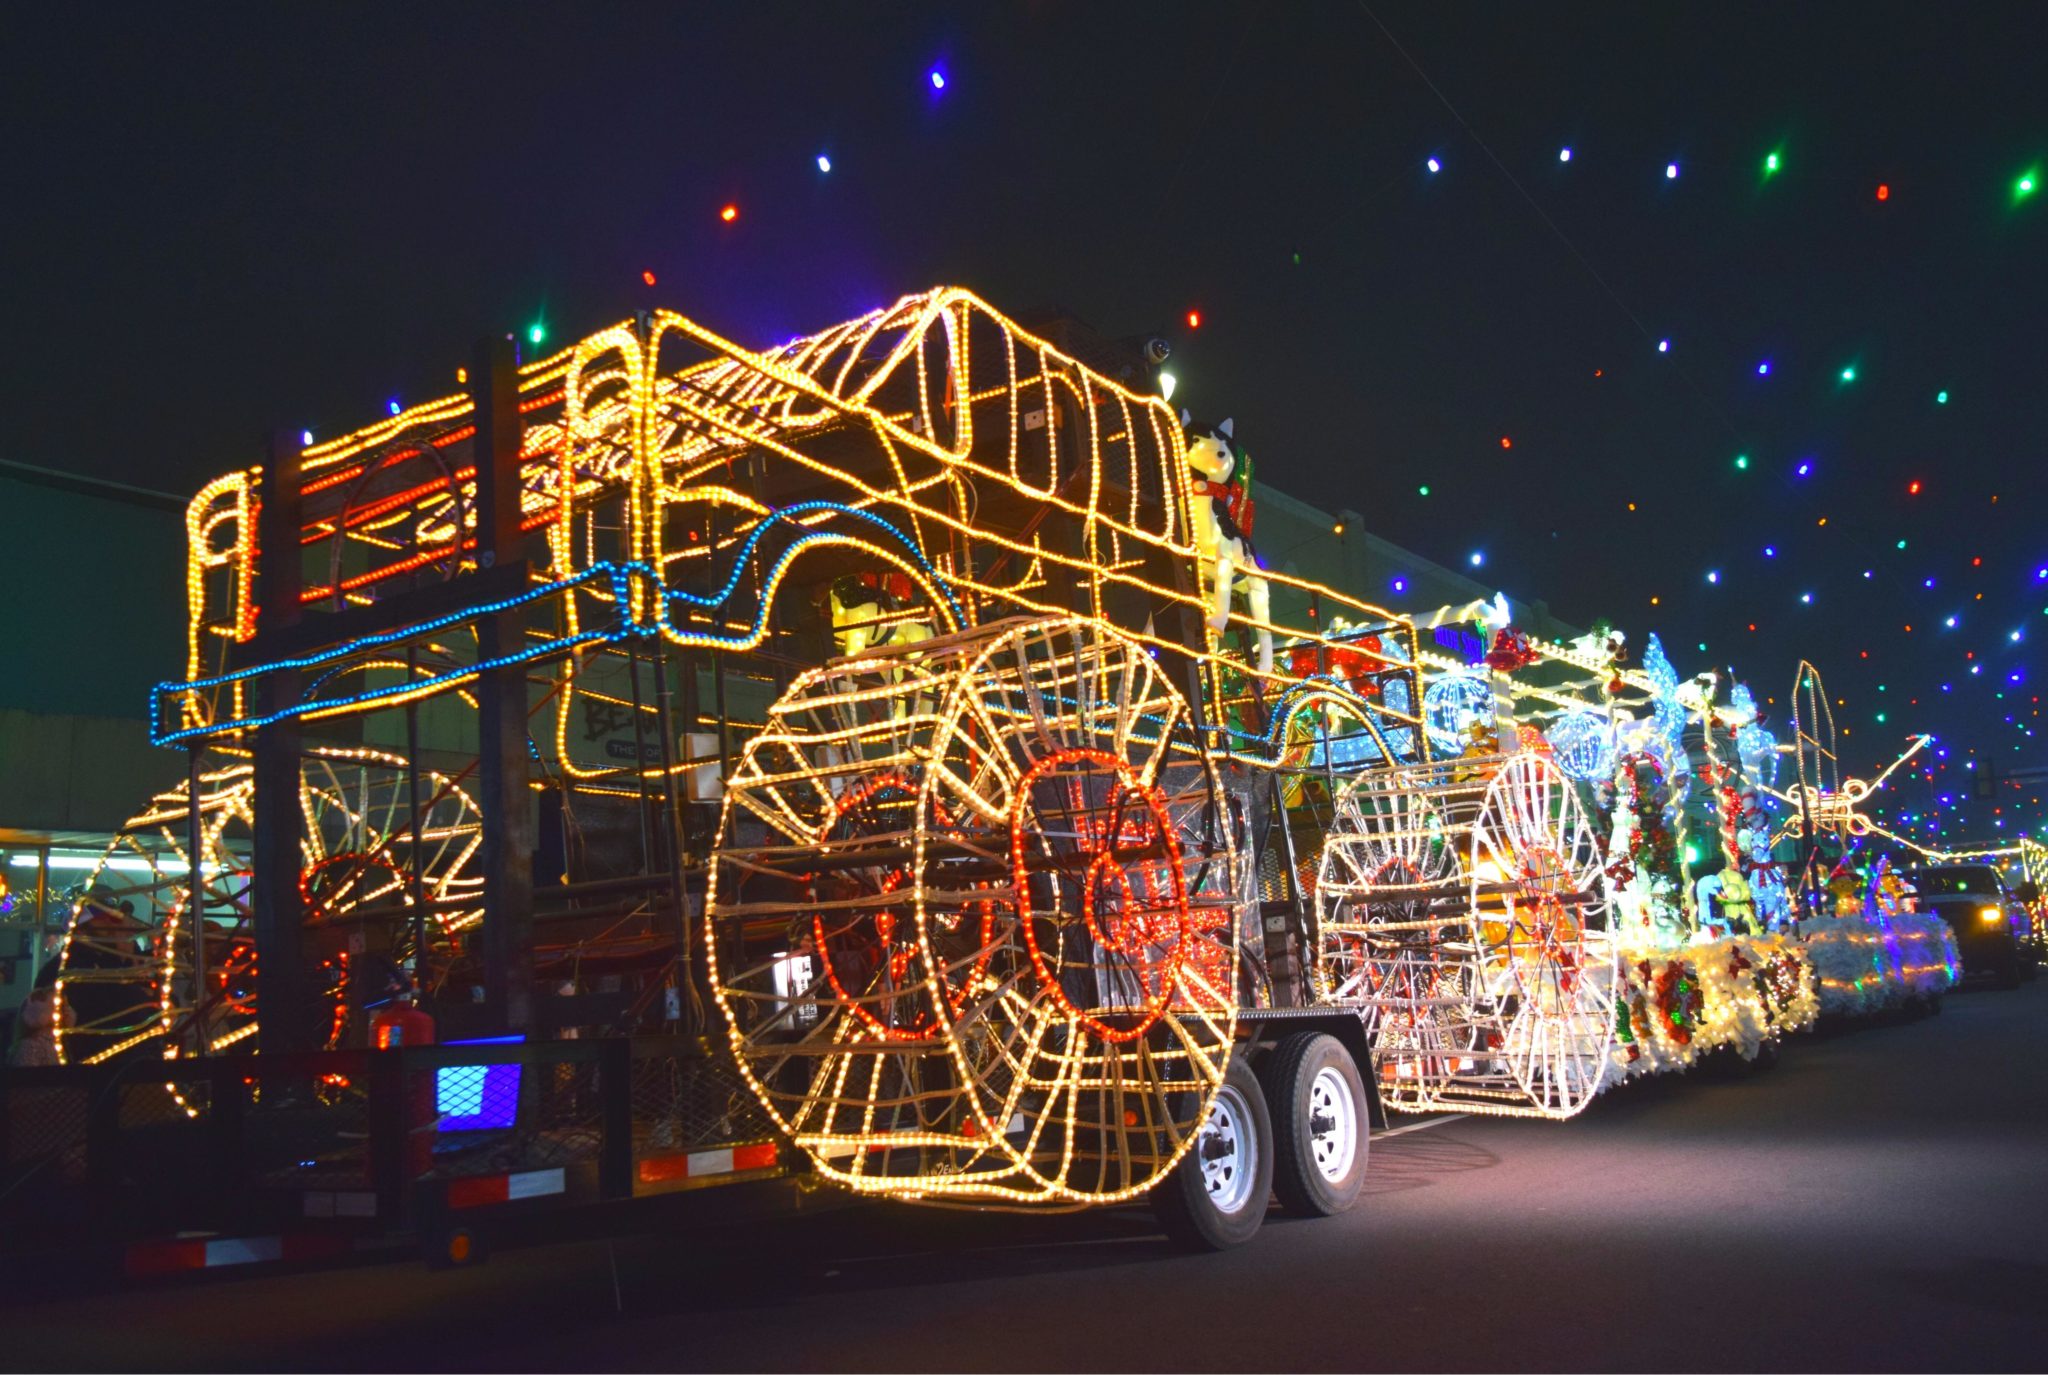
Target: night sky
x=219, y=222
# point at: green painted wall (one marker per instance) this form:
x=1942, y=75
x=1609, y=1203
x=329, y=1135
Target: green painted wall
x=95, y=614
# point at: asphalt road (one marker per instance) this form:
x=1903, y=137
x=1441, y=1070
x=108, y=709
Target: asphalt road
x=1880, y=1201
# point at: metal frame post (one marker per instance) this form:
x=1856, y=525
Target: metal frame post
x=195, y=897
x=412, y=799
x=274, y=882
x=506, y=801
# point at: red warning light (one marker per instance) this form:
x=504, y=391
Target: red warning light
x=1194, y=319
x=1884, y=192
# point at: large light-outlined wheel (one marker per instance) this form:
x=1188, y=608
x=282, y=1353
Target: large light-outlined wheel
x=1390, y=931
x=128, y=962
x=1106, y=1004
x=814, y=959
x=1547, y=952
x=1022, y=987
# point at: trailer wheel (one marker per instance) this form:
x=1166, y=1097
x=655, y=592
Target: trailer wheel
x=1217, y=1196
x=1320, y=1132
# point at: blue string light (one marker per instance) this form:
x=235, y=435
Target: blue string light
x=621, y=576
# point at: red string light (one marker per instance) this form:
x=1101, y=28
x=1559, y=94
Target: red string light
x=1178, y=934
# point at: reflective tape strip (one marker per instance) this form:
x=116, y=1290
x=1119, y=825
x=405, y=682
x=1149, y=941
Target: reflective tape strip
x=710, y=1162
x=536, y=1183
x=504, y=1188
x=757, y=1157
x=244, y=1250
x=662, y=1169
x=150, y=1258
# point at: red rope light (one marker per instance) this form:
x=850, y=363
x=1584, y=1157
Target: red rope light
x=1102, y=851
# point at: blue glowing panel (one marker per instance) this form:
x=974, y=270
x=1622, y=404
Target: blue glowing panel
x=470, y=1098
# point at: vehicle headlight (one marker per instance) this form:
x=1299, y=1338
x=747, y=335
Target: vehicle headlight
x=1990, y=914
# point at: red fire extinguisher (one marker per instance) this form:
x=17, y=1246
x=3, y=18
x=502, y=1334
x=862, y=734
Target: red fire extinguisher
x=398, y=1023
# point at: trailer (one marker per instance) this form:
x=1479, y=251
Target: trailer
x=888, y=723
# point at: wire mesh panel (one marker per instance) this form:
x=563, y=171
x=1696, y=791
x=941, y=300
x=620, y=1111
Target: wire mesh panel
x=688, y=1102
x=42, y=1133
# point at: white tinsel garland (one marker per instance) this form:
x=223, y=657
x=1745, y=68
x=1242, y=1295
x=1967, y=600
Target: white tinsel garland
x=1868, y=962
x=1674, y=1005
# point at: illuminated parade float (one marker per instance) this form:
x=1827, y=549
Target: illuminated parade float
x=900, y=727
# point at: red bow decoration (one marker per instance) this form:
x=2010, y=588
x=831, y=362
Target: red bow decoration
x=897, y=585
x=1237, y=502
x=1510, y=651
x=1354, y=666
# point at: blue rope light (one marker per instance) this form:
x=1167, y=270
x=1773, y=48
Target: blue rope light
x=621, y=576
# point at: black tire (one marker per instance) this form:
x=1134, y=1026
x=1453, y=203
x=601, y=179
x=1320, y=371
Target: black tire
x=1205, y=1218
x=1302, y=1077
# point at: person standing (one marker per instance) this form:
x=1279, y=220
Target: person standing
x=35, y=1039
